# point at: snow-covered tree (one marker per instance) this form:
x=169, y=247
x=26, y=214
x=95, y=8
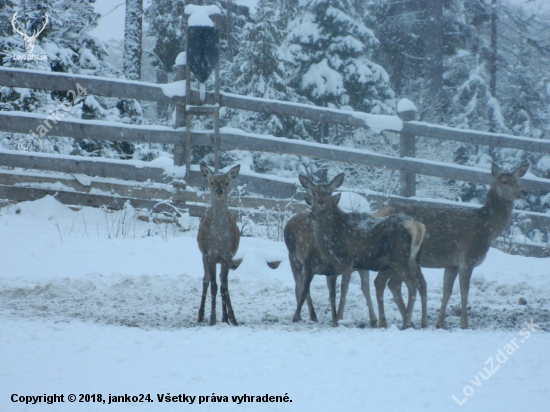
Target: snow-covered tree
x=70, y=48
x=258, y=70
x=332, y=50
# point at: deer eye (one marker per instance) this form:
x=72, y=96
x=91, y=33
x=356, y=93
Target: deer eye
x=227, y=183
x=505, y=182
x=321, y=201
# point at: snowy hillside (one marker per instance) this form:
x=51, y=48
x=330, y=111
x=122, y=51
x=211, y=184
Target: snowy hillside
x=86, y=307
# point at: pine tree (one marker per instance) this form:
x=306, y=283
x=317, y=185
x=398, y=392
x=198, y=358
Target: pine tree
x=257, y=70
x=332, y=51
x=70, y=49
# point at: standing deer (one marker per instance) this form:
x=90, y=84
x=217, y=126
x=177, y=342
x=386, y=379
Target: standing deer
x=305, y=262
x=458, y=238
x=357, y=240
x=218, y=240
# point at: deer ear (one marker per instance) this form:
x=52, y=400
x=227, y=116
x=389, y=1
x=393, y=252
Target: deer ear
x=306, y=183
x=205, y=170
x=308, y=199
x=233, y=172
x=520, y=171
x=495, y=170
x=336, y=198
x=337, y=181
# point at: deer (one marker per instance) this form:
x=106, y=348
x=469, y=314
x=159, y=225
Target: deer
x=218, y=240
x=458, y=239
x=29, y=40
x=305, y=261
x=347, y=241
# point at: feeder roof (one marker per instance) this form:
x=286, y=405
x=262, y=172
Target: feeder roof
x=199, y=15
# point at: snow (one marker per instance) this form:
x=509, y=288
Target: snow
x=85, y=308
x=199, y=15
x=544, y=164
x=181, y=60
x=405, y=105
x=175, y=88
x=323, y=80
x=353, y=202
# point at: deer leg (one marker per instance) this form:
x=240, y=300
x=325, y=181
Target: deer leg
x=227, y=309
x=410, y=305
x=213, y=293
x=380, y=284
x=394, y=285
x=307, y=276
x=297, y=269
x=331, y=283
x=464, y=276
x=423, y=289
x=344, y=286
x=448, y=282
x=365, y=288
x=312, y=314
x=205, y=284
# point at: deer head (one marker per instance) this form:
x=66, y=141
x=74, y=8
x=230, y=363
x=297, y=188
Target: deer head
x=29, y=40
x=219, y=183
x=507, y=185
x=320, y=197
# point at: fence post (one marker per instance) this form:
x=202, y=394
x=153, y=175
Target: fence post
x=406, y=110
x=179, y=149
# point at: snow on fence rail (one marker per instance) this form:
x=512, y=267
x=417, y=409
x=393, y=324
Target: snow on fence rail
x=234, y=139
x=231, y=139
x=175, y=93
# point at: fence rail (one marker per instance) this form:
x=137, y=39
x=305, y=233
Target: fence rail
x=231, y=139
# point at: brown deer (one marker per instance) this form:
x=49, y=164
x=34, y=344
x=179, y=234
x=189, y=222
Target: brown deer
x=458, y=239
x=357, y=240
x=218, y=240
x=305, y=261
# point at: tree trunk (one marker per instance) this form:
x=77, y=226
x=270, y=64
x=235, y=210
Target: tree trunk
x=434, y=46
x=132, y=39
x=493, y=62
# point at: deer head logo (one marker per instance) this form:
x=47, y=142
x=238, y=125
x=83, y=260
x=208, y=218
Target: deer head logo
x=29, y=40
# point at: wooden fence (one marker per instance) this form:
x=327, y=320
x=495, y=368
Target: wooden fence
x=106, y=178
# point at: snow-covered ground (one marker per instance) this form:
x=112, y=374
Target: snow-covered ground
x=89, y=308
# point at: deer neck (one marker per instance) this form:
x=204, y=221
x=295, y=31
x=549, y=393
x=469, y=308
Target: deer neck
x=219, y=211
x=328, y=230
x=496, y=213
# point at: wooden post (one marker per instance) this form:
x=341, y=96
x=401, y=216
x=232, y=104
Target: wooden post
x=180, y=121
x=217, y=22
x=187, y=104
x=406, y=110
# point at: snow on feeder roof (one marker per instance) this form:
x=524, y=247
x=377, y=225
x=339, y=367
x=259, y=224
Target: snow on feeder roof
x=199, y=15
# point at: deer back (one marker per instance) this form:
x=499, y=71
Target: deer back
x=455, y=236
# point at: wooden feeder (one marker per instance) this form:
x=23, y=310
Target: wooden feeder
x=203, y=56
x=203, y=51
